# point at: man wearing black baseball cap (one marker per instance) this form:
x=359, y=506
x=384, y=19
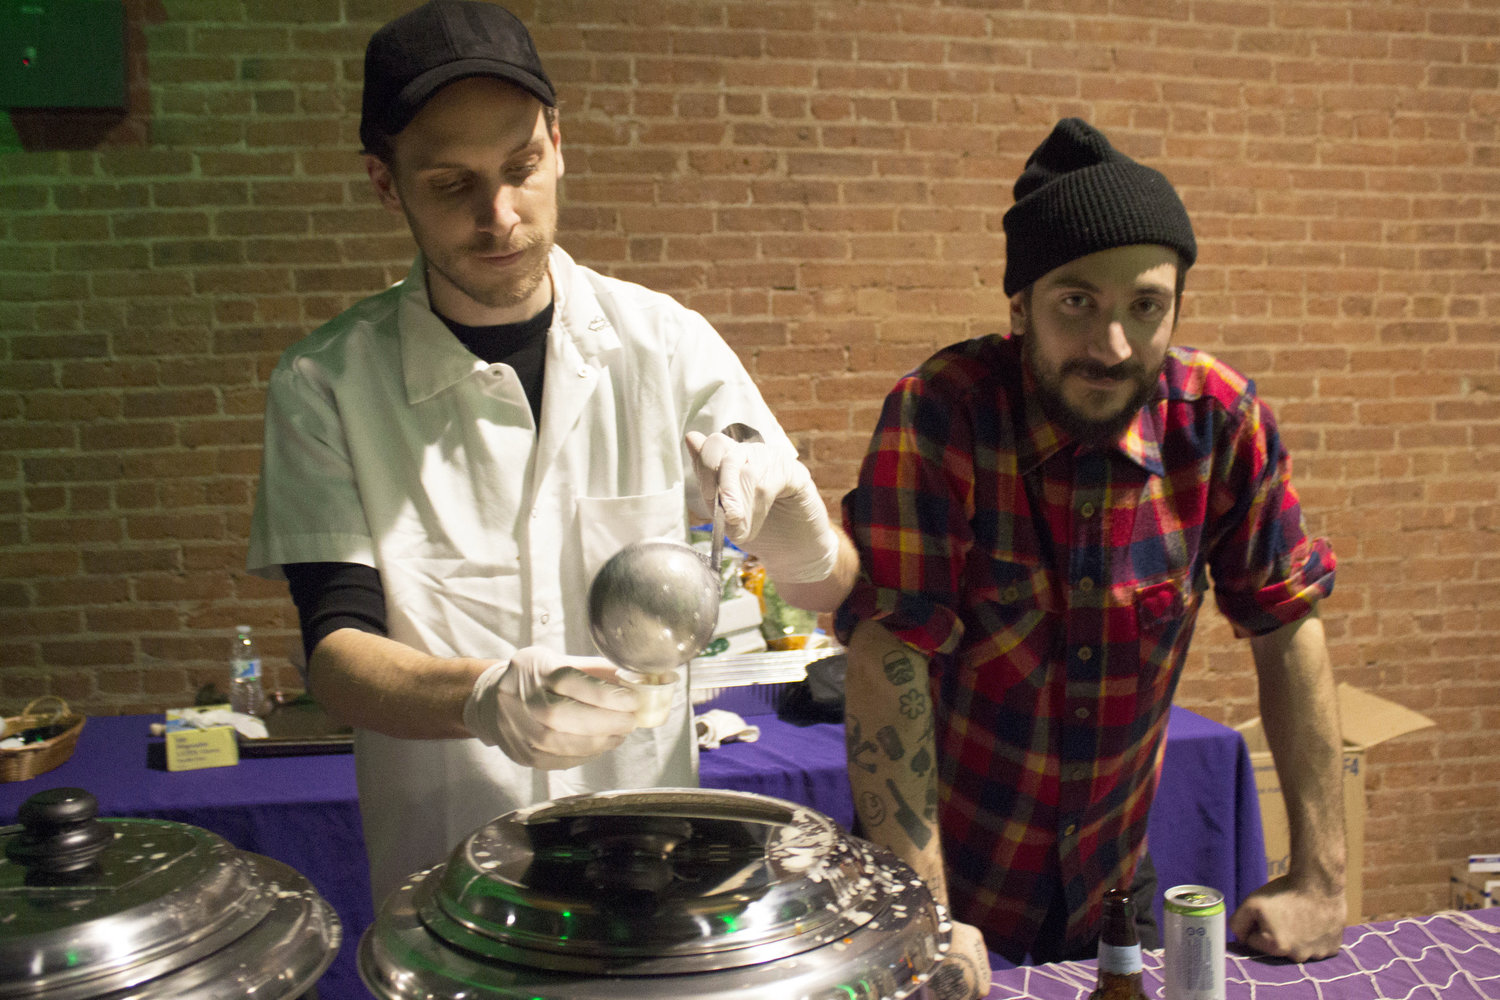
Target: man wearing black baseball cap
x=416, y=55
x=1038, y=517
x=448, y=463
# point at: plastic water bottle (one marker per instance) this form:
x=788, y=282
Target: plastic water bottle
x=246, y=694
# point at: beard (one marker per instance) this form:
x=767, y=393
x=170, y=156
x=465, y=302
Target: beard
x=492, y=291
x=1089, y=430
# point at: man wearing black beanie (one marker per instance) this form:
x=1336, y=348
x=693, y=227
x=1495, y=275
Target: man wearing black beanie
x=1038, y=518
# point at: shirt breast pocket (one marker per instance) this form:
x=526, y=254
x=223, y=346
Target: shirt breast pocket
x=1010, y=632
x=1019, y=585
x=608, y=524
x=1164, y=614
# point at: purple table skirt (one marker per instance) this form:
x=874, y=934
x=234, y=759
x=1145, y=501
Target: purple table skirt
x=1204, y=827
x=1446, y=956
x=303, y=811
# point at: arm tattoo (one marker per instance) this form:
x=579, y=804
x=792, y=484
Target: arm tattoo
x=872, y=809
x=913, y=704
x=890, y=742
x=921, y=763
x=950, y=981
x=898, y=668
x=919, y=832
x=857, y=746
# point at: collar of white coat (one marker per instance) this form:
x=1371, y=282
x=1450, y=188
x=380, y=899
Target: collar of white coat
x=432, y=359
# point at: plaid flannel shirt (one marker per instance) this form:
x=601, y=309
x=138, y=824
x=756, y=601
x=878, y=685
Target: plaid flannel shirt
x=1055, y=590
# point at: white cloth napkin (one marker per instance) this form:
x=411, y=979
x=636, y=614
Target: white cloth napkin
x=719, y=725
x=248, y=726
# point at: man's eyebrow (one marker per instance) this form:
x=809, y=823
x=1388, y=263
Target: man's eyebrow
x=1066, y=280
x=1080, y=283
x=530, y=147
x=535, y=144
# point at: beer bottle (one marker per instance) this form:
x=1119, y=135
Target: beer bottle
x=1119, y=951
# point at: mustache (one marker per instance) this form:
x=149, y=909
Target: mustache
x=491, y=247
x=1125, y=370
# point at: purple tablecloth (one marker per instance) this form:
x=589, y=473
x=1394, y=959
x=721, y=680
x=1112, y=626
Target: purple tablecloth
x=303, y=811
x=1446, y=956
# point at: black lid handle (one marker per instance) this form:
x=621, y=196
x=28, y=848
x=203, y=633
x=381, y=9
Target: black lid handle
x=60, y=833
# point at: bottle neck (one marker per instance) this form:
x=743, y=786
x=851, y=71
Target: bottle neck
x=1120, y=960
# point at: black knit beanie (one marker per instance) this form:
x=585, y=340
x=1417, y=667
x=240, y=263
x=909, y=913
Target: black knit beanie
x=1079, y=195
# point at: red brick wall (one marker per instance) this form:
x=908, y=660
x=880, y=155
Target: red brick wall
x=825, y=182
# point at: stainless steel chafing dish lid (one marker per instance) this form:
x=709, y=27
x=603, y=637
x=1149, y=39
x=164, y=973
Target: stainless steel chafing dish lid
x=623, y=894
x=149, y=909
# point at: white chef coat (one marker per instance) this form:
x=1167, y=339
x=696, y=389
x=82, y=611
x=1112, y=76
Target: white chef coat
x=387, y=443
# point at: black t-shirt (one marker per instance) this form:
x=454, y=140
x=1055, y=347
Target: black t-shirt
x=523, y=346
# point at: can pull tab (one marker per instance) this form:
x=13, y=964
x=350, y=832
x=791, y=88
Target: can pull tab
x=60, y=836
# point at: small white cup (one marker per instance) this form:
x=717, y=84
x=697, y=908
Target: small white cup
x=655, y=692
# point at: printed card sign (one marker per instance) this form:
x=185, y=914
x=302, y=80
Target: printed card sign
x=192, y=744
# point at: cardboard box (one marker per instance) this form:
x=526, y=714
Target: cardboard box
x=1367, y=720
x=1473, y=890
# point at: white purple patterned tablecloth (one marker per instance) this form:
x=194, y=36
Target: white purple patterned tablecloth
x=1446, y=956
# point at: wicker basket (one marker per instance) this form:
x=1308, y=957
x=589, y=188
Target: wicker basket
x=20, y=763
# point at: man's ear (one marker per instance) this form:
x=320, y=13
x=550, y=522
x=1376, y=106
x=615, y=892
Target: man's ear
x=383, y=182
x=1018, y=313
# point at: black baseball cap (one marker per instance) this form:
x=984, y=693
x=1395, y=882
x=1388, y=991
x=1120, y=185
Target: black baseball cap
x=412, y=57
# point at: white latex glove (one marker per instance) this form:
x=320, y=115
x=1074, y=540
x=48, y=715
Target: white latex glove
x=546, y=711
x=771, y=505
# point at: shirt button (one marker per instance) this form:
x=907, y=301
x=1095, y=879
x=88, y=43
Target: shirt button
x=1069, y=830
x=583, y=371
x=1085, y=653
x=1081, y=713
x=1086, y=584
x=1011, y=595
x=545, y=618
x=1087, y=510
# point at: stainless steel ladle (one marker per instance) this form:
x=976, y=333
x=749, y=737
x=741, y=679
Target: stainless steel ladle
x=653, y=605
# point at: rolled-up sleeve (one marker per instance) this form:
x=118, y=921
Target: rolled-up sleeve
x=1267, y=571
x=909, y=519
